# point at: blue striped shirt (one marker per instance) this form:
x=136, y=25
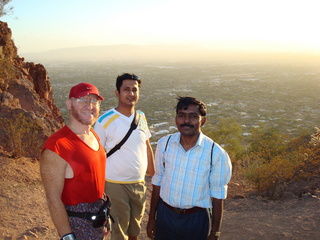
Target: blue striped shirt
x=190, y=178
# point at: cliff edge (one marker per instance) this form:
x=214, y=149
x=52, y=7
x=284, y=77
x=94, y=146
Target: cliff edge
x=28, y=114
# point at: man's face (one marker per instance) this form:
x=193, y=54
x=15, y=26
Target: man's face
x=189, y=121
x=129, y=93
x=83, y=110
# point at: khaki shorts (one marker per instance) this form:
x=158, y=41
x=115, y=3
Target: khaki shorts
x=127, y=208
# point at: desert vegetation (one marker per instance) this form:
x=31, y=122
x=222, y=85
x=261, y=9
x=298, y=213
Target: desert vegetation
x=271, y=161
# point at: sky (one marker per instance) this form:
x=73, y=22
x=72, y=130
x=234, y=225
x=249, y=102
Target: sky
x=267, y=25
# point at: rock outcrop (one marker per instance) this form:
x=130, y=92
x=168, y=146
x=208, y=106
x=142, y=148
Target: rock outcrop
x=28, y=114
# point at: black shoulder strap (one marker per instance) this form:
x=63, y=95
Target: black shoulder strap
x=211, y=155
x=167, y=143
x=165, y=149
x=133, y=126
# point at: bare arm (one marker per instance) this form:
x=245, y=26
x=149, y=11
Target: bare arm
x=217, y=212
x=150, y=156
x=53, y=171
x=155, y=198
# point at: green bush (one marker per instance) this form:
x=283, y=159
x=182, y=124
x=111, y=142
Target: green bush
x=228, y=133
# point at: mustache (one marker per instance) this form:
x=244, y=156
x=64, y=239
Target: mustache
x=187, y=125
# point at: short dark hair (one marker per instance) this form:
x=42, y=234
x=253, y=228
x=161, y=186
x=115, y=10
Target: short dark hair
x=184, y=102
x=126, y=76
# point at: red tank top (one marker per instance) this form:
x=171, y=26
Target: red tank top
x=88, y=166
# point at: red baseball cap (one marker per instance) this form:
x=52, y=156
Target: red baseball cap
x=83, y=89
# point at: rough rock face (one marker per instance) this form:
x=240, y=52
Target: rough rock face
x=27, y=111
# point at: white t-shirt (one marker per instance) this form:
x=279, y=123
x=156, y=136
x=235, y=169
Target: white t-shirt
x=129, y=163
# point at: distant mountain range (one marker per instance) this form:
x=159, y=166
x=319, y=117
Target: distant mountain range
x=119, y=52
x=154, y=53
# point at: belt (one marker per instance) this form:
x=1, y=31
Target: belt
x=182, y=210
x=86, y=215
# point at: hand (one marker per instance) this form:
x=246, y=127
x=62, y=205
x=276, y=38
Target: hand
x=212, y=237
x=107, y=228
x=106, y=231
x=151, y=228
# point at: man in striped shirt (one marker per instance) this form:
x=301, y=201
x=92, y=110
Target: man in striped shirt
x=192, y=173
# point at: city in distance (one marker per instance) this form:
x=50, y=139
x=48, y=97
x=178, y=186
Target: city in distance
x=280, y=94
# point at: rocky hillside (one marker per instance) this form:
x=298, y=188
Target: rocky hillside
x=28, y=114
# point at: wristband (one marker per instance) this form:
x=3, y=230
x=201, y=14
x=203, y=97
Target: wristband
x=69, y=236
x=217, y=234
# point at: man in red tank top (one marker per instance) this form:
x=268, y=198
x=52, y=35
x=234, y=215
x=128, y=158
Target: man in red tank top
x=72, y=166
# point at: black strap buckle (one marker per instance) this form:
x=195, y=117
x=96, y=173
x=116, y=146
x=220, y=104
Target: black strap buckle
x=98, y=219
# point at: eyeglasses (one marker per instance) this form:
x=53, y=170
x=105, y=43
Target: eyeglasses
x=88, y=100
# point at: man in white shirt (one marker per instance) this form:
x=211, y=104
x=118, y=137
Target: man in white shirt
x=127, y=166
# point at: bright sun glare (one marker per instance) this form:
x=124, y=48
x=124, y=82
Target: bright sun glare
x=272, y=24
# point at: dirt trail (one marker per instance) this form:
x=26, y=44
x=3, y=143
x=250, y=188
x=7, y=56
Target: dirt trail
x=24, y=213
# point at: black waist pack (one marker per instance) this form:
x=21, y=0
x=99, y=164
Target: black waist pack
x=98, y=219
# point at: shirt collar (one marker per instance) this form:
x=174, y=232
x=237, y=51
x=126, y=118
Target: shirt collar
x=200, y=141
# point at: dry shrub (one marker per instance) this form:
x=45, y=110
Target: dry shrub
x=21, y=132
x=310, y=166
x=272, y=177
x=267, y=175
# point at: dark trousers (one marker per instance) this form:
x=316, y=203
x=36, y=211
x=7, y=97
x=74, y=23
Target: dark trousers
x=177, y=226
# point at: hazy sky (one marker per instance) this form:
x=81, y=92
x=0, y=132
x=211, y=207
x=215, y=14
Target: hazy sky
x=41, y=25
